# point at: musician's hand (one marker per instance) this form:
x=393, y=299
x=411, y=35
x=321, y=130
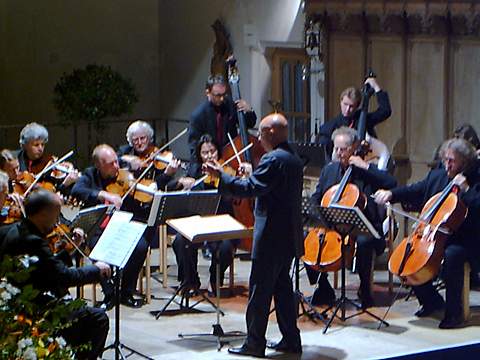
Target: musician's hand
x=78, y=235
x=71, y=178
x=358, y=162
x=373, y=83
x=186, y=182
x=212, y=168
x=110, y=198
x=461, y=181
x=242, y=105
x=172, y=167
x=105, y=270
x=382, y=196
x=245, y=169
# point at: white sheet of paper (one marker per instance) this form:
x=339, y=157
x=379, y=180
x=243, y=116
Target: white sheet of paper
x=118, y=240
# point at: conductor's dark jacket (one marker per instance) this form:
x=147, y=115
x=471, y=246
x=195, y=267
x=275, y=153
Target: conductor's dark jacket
x=435, y=182
x=50, y=274
x=277, y=185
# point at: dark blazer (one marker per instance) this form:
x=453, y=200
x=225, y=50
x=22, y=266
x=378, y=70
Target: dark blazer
x=435, y=182
x=203, y=120
x=368, y=182
x=277, y=185
x=50, y=273
x=381, y=114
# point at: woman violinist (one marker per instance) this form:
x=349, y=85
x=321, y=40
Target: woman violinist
x=185, y=253
x=32, y=159
x=13, y=202
x=460, y=167
x=368, y=179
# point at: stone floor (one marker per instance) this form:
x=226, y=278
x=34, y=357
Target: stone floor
x=356, y=338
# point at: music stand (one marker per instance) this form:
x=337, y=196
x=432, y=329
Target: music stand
x=89, y=219
x=115, y=247
x=346, y=221
x=176, y=204
x=198, y=229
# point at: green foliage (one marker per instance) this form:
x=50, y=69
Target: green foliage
x=93, y=93
x=29, y=327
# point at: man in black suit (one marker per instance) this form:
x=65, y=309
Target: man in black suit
x=91, y=188
x=28, y=237
x=350, y=100
x=277, y=238
x=368, y=179
x=217, y=116
x=461, y=166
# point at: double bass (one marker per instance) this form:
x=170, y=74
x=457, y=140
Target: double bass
x=242, y=208
x=417, y=258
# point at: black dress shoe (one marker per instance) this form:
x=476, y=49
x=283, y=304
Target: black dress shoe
x=283, y=346
x=245, y=350
x=451, y=322
x=425, y=311
x=106, y=304
x=130, y=301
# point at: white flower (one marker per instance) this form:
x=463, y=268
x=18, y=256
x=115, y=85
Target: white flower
x=61, y=342
x=12, y=289
x=29, y=354
x=5, y=296
x=23, y=343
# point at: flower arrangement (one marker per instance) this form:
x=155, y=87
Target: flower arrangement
x=31, y=328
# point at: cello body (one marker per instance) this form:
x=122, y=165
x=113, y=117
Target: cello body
x=417, y=259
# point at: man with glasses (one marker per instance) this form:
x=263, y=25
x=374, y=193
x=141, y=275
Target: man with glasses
x=217, y=115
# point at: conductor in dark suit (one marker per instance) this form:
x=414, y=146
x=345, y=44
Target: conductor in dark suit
x=460, y=165
x=50, y=276
x=368, y=179
x=277, y=238
x=217, y=116
x=350, y=100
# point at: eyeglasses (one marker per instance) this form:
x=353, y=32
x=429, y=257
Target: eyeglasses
x=140, y=139
x=219, y=96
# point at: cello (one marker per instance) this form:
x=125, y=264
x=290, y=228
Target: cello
x=417, y=258
x=323, y=247
x=242, y=208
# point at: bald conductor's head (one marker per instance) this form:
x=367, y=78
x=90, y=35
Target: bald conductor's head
x=273, y=131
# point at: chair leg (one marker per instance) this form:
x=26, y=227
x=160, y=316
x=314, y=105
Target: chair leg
x=466, y=291
x=148, y=279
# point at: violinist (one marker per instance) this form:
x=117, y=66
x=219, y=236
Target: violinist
x=3, y=189
x=50, y=276
x=368, y=179
x=92, y=189
x=459, y=164
x=13, y=200
x=33, y=158
x=350, y=100
x=217, y=115
x=186, y=253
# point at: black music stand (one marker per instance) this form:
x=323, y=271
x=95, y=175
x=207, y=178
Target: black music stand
x=346, y=221
x=225, y=228
x=178, y=204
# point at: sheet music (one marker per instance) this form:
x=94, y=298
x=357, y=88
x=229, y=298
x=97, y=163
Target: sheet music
x=118, y=240
x=368, y=225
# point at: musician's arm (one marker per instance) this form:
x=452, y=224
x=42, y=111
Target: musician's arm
x=383, y=111
x=250, y=118
x=379, y=179
x=85, y=189
x=412, y=194
x=320, y=189
x=195, y=131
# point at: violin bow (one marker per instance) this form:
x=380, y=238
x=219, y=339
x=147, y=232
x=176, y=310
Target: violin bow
x=234, y=148
x=70, y=240
x=45, y=170
x=224, y=164
x=147, y=169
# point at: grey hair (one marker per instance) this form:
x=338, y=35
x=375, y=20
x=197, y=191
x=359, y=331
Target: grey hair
x=347, y=131
x=136, y=126
x=33, y=131
x=461, y=147
x=3, y=180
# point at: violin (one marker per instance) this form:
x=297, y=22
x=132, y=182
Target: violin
x=213, y=181
x=25, y=181
x=61, y=239
x=418, y=257
x=11, y=212
x=125, y=183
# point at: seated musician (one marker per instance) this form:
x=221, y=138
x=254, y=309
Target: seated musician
x=91, y=188
x=368, y=179
x=9, y=164
x=459, y=163
x=186, y=253
x=28, y=237
x=3, y=189
x=33, y=158
x=350, y=100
